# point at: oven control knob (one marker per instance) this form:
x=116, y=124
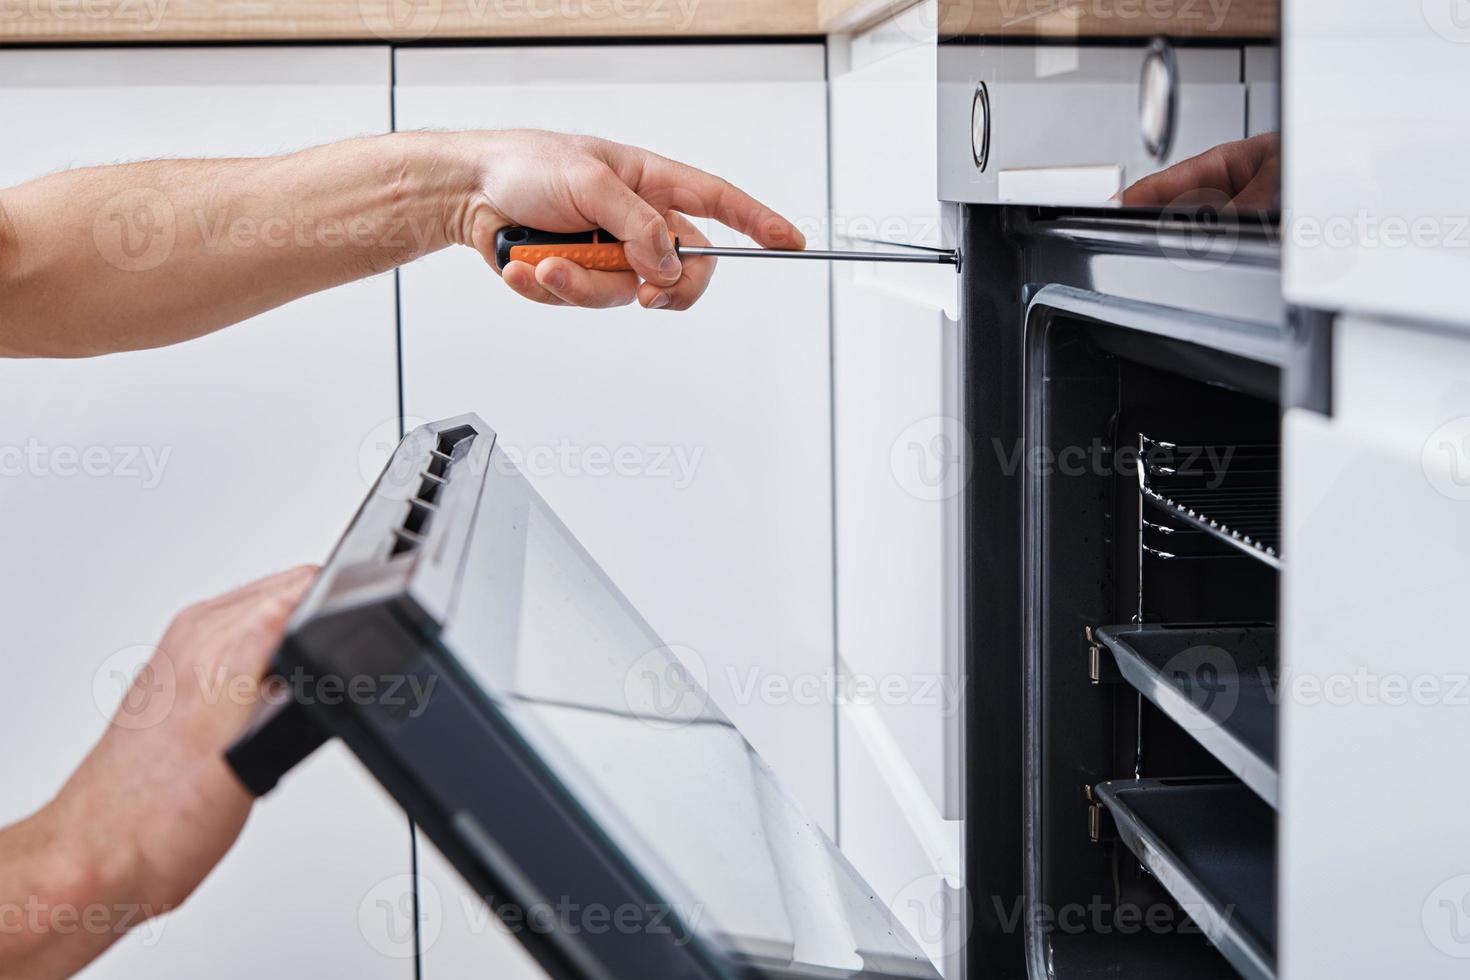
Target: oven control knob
x=980, y=126
x=1158, y=99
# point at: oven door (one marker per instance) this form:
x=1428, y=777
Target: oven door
x=567, y=761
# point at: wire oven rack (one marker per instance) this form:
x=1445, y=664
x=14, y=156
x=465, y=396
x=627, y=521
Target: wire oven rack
x=1229, y=491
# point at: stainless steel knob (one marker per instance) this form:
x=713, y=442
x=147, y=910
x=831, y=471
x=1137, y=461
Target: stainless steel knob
x=980, y=126
x=1158, y=99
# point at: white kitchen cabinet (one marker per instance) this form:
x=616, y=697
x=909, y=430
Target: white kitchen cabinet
x=884, y=132
x=899, y=460
x=900, y=455
x=690, y=453
x=1378, y=208
x=226, y=458
x=1375, y=684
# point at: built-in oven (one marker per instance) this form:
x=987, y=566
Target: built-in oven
x=1111, y=176
x=1124, y=379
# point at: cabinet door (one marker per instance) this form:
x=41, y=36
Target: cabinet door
x=1375, y=683
x=690, y=453
x=210, y=463
x=899, y=462
x=1378, y=208
x=884, y=132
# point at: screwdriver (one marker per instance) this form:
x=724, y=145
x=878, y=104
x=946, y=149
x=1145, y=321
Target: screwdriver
x=600, y=251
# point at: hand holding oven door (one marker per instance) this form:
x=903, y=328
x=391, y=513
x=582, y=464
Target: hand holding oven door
x=555, y=750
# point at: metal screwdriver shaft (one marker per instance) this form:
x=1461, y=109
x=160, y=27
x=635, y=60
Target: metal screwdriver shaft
x=927, y=257
x=600, y=251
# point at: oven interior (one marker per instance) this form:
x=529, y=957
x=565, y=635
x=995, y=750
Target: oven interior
x=1152, y=679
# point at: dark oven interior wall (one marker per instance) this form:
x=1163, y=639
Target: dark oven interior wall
x=1098, y=395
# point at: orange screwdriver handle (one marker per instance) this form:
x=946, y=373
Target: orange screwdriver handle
x=589, y=249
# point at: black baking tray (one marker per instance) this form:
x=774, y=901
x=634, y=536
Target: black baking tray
x=1211, y=842
x=1219, y=683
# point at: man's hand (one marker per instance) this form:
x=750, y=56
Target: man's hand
x=154, y=806
x=1245, y=173
x=574, y=183
x=148, y=254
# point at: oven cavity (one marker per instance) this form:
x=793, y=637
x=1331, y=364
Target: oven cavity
x=1152, y=658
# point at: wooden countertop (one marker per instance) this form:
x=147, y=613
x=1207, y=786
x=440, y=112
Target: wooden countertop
x=146, y=21
x=151, y=21
x=1073, y=18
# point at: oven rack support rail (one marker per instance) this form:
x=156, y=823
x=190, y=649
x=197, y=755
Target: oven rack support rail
x=1240, y=505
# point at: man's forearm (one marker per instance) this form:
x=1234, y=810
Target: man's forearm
x=66, y=894
x=148, y=254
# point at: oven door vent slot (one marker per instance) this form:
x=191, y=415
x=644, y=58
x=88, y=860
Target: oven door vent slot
x=1230, y=492
x=1218, y=683
x=1211, y=843
x=449, y=447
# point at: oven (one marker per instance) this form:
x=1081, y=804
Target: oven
x=1124, y=384
x=1127, y=357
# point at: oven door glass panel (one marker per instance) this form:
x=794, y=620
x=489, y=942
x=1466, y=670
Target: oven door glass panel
x=621, y=722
